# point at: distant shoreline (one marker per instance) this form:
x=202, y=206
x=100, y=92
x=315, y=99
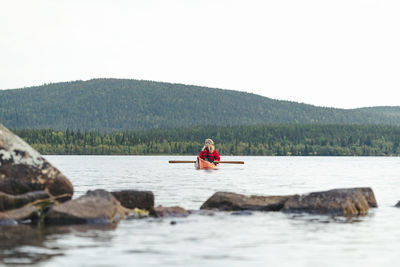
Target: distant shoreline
x=259, y=140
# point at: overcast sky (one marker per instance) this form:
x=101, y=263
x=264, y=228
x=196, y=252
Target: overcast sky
x=341, y=53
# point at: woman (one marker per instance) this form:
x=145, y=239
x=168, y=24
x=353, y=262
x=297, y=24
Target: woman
x=209, y=153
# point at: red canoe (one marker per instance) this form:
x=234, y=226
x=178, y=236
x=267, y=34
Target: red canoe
x=202, y=164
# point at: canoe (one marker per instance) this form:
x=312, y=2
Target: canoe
x=202, y=164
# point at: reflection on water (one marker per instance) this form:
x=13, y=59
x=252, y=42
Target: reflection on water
x=13, y=239
x=225, y=238
x=27, y=244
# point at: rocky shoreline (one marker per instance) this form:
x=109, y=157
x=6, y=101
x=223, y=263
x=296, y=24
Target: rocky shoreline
x=32, y=191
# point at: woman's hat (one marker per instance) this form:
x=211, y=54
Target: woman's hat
x=209, y=141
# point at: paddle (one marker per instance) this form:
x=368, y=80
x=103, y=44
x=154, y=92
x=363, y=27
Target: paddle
x=181, y=161
x=230, y=162
x=190, y=161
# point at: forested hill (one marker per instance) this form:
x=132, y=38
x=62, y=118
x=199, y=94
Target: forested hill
x=117, y=104
x=388, y=112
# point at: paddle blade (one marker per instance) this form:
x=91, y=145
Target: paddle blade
x=230, y=162
x=181, y=161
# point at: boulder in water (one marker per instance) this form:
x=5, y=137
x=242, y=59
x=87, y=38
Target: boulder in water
x=22, y=169
x=341, y=202
x=98, y=207
x=225, y=201
x=132, y=199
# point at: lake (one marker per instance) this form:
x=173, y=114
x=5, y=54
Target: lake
x=259, y=239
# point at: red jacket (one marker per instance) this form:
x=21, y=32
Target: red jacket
x=211, y=156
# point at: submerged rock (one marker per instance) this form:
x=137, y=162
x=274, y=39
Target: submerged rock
x=22, y=169
x=98, y=206
x=202, y=212
x=341, y=202
x=171, y=211
x=9, y=202
x=132, y=199
x=225, y=201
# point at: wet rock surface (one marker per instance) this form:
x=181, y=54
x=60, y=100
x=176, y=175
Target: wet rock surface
x=171, y=211
x=22, y=169
x=132, y=199
x=341, y=202
x=225, y=201
x=96, y=207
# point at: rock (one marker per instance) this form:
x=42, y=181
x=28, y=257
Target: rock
x=132, y=199
x=343, y=202
x=22, y=169
x=9, y=202
x=98, y=206
x=30, y=213
x=340, y=202
x=171, y=211
x=233, y=202
x=397, y=205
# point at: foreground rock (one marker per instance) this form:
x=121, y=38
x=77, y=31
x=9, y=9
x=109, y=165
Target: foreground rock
x=234, y=202
x=26, y=214
x=171, y=211
x=341, y=202
x=22, y=169
x=8, y=202
x=132, y=199
x=98, y=207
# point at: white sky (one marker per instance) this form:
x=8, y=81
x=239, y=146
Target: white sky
x=339, y=53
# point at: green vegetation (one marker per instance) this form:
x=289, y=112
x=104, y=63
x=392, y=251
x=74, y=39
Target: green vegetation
x=120, y=105
x=296, y=140
x=131, y=117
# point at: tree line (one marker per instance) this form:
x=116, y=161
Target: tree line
x=261, y=140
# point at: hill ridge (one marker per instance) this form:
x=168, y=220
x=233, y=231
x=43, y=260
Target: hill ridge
x=108, y=104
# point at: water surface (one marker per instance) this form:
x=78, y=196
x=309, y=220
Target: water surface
x=260, y=239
